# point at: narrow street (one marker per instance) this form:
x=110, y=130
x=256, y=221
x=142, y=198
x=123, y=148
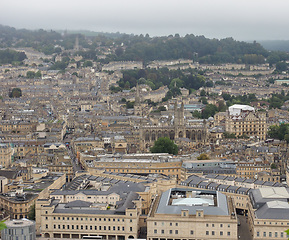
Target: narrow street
x=244, y=230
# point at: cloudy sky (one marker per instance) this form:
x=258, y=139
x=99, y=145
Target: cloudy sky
x=240, y=19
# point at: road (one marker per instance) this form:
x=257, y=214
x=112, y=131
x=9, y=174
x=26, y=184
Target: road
x=76, y=166
x=243, y=229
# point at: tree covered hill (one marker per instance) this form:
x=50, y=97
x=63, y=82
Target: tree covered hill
x=140, y=47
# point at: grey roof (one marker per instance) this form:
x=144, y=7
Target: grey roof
x=77, y=203
x=222, y=187
x=232, y=189
x=263, y=195
x=249, y=180
x=242, y=190
x=273, y=210
x=268, y=184
x=165, y=208
x=213, y=185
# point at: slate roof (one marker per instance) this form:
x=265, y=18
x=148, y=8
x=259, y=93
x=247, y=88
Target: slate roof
x=220, y=209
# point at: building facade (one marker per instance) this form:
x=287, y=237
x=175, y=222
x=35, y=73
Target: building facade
x=243, y=120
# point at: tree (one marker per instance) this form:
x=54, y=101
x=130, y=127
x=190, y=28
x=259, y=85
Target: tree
x=196, y=114
x=281, y=66
x=209, y=111
x=15, y=93
x=87, y=64
x=2, y=225
x=203, y=156
x=280, y=132
x=38, y=74
x=31, y=213
x=273, y=166
x=164, y=145
x=203, y=93
x=30, y=74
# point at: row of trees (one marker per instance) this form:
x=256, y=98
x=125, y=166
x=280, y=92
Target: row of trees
x=8, y=56
x=173, y=79
x=280, y=132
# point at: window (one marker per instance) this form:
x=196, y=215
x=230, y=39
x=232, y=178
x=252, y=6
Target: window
x=192, y=232
x=67, y=226
x=72, y=226
x=258, y=234
x=221, y=225
x=90, y=227
x=270, y=234
x=221, y=233
x=177, y=224
x=264, y=234
x=213, y=225
x=130, y=229
x=213, y=232
x=155, y=231
x=171, y=231
x=281, y=234
x=176, y=231
x=171, y=224
x=207, y=225
x=54, y=226
x=104, y=227
x=229, y=233
x=63, y=226
x=276, y=234
x=163, y=231
x=46, y=226
x=207, y=232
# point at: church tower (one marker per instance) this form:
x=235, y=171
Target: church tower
x=76, y=45
x=137, y=103
x=179, y=121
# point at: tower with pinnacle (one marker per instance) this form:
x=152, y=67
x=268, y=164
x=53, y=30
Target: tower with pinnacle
x=137, y=104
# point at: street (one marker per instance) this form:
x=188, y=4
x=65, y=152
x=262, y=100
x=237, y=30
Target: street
x=243, y=229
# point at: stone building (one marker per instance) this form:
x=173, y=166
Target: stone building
x=244, y=120
x=187, y=214
x=176, y=127
x=22, y=229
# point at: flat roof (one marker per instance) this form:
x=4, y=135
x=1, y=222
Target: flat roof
x=275, y=192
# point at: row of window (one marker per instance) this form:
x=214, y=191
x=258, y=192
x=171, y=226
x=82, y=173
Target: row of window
x=270, y=223
x=207, y=224
x=270, y=234
x=192, y=232
x=82, y=227
x=90, y=219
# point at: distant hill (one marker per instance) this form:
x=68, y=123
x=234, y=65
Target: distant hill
x=129, y=47
x=275, y=45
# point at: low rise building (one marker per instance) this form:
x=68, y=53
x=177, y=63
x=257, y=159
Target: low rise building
x=269, y=213
x=192, y=214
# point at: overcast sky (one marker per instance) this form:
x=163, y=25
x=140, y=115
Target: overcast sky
x=240, y=19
